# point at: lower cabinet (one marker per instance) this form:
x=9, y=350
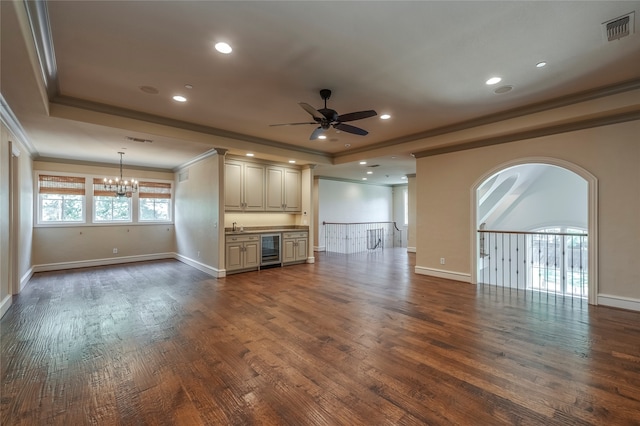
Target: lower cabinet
x=242, y=252
x=294, y=246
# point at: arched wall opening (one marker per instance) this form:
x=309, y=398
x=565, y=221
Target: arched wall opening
x=541, y=206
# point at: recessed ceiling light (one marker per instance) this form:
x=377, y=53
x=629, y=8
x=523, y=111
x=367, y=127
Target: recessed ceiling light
x=541, y=64
x=188, y=86
x=503, y=89
x=363, y=162
x=292, y=161
x=322, y=137
x=403, y=177
x=385, y=117
x=179, y=98
x=494, y=80
x=364, y=178
x=223, y=47
x=250, y=154
x=369, y=172
x=347, y=145
x=149, y=89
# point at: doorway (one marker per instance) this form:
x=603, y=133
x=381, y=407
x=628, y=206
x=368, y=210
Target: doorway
x=534, y=226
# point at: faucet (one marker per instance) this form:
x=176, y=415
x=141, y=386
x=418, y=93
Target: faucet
x=234, y=226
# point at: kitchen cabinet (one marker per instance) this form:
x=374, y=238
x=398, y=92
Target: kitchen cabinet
x=242, y=252
x=283, y=189
x=243, y=186
x=294, y=246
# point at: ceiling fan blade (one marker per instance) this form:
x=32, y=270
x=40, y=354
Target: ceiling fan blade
x=357, y=115
x=316, y=133
x=350, y=129
x=311, y=110
x=292, y=124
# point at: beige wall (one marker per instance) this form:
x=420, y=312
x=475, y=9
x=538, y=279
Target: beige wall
x=611, y=153
x=4, y=217
x=197, y=213
x=77, y=245
x=73, y=246
x=25, y=211
x=16, y=237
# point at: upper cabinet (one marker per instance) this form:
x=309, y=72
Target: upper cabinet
x=283, y=189
x=243, y=186
x=253, y=187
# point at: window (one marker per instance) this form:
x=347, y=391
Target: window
x=154, y=201
x=107, y=207
x=80, y=200
x=61, y=199
x=559, y=261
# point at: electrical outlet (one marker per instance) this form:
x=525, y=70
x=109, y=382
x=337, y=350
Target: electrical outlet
x=198, y=255
x=115, y=251
x=442, y=260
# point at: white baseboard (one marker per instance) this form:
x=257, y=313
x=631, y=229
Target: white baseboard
x=319, y=248
x=216, y=273
x=619, y=302
x=25, y=279
x=411, y=249
x=101, y=262
x=5, y=305
x=450, y=275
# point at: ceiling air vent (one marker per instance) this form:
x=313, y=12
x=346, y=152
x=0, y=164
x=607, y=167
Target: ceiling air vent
x=139, y=140
x=619, y=27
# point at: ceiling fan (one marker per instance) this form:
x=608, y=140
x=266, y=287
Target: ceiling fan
x=327, y=118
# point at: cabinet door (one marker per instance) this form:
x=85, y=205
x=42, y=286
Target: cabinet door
x=301, y=248
x=292, y=190
x=251, y=254
x=253, y=187
x=233, y=186
x=275, y=187
x=288, y=250
x=234, y=256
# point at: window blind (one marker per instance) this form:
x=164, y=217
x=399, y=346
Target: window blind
x=154, y=190
x=68, y=185
x=100, y=189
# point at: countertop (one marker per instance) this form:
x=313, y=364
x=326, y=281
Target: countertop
x=266, y=230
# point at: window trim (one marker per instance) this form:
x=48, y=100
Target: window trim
x=38, y=200
x=88, y=206
x=160, y=194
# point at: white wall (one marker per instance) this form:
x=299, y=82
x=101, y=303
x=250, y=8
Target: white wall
x=553, y=196
x=413, y=215
x=398, y=214
x=340, y=201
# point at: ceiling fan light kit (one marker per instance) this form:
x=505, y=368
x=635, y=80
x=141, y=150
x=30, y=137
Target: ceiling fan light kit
x=327, y=118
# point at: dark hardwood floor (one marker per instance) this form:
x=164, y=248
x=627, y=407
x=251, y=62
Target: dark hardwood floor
x=350, y=340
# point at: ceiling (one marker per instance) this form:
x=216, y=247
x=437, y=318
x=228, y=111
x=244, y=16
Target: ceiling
x=424, y=63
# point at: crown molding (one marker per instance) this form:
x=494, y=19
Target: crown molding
x=178, y=124
x=360, y=182
x=38, y=16
x=99, y=164
x=535, y=133
x=563, y=101
x=12, y=123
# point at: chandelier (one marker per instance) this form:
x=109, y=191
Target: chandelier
x=121, y=187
